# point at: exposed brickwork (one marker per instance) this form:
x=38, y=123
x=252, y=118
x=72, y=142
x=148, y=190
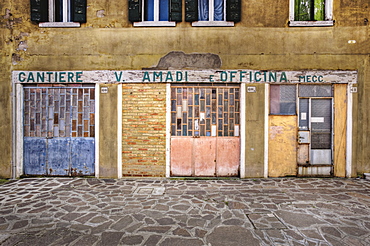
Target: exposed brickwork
x=144, y=130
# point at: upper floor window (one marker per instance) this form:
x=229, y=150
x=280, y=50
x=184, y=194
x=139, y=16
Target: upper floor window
x=311, y=13
x=58, y=13
x=213, y=12
x=155, y=12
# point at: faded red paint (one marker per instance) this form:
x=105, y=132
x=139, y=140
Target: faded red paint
x=205, y=156
x=228, y=156
x=204, y=151
x=181, y=156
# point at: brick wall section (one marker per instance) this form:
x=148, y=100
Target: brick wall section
x=144, y=130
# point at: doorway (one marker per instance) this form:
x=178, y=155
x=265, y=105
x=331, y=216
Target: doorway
x=315, y=130
x=205, y=130
x=59, y=130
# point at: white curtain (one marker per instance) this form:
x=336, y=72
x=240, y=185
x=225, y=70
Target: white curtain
x=203, y=10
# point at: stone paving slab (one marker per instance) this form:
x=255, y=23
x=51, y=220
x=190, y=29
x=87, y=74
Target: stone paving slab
x=286, y=211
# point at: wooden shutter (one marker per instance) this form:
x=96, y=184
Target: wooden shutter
x=79, y=11
x=176, y=10
x=191, y=10
x=39, y=10
x=233, y=10
x=134, y=10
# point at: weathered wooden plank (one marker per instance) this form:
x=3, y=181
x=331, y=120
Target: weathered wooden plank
x=340, y=126
x=282, y=153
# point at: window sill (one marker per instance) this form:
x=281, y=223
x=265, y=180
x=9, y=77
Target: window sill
x=212, y=23
x=311, y=23
x=155, y=23
x=59, y=24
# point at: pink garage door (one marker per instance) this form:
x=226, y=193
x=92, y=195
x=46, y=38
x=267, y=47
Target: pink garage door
x=205, y=125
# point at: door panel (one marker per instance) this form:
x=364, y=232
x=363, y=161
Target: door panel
x=303, y=154
x=204, y=150
x=321, y=156
x=58, y=156
x=228, y=156
x=34, y=155
x=181, y=156
x=83, y=153
x=321, y=131
x=315, y=130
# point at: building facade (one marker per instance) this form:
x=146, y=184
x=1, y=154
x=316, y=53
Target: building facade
x=169, y=88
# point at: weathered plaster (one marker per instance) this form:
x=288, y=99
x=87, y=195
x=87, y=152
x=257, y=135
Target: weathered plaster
x=261, y=41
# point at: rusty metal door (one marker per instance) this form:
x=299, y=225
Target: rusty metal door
x=59, y=133
x=205, y=123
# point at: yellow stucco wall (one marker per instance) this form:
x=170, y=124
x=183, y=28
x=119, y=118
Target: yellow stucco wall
x=261, y=41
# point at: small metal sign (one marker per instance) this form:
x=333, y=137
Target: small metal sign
x=353, y=89
x=104, y=90
x=251, y=89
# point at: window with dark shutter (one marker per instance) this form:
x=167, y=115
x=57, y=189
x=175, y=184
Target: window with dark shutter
x=213, y=12
x=58, y=13
x=176, y=10
x=155, y=12
x=134, y=10
x=79, y=11
x=191, y=10
x=233, y=10
x=39, y=10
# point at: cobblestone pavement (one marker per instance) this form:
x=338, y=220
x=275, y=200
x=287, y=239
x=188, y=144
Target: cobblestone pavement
x=286, y=211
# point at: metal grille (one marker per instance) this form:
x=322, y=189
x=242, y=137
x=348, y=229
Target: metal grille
x=321, y=131
x=205, y=111
x=283, y=99
x=315, y=91
x=59, y=112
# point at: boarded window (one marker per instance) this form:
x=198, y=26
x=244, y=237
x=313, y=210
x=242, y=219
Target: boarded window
x=283, y=99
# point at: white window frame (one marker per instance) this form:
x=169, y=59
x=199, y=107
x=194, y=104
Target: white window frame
x=66, y=21
x=156, y=21
x=328, y=16
x=211, y=21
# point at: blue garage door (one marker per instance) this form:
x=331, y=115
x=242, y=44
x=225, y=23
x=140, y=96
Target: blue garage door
x=59, y=130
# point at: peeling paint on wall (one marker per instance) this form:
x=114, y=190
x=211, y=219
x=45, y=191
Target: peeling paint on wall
x=9, y=19
x=276, y=130
x=22, y=45
x=180, y=60
x=100, y=13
